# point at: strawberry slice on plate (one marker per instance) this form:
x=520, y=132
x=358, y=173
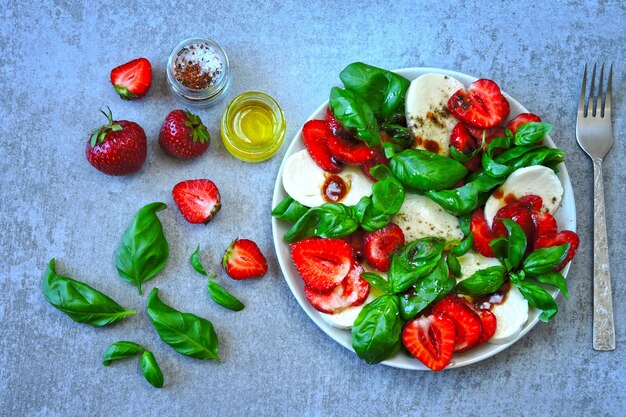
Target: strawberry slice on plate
x=430, y=339
x=348, y=150
x=322, y=263
x=243, y=260
x=467, y=322
x=490, y=323
x=520, y=211
x=379, y=158
x=334, y=126
x=483, y=235
x=545, y=223
x=520, y=119
x=352, y=291
x=197, y=200
x=557, y=239
x=315, y=137
x=132, y=80
x=381, y=244
x=357, y=241
x=481, y=106
x=462, y=141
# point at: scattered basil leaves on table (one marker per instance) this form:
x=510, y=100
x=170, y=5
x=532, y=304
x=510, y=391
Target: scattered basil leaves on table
x=148, y=363
x=151, y=370
x=376, y=331
x=195, y=262
x=223, y=297
x=79, y=301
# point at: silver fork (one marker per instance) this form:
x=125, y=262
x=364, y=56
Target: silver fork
x=594, y=133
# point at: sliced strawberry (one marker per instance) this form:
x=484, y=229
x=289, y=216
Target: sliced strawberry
x=520, y=211
x=557, y=239
x=482, y=233
x=132, y=80
x=243, y=260
x=490, y=323
x=334, y=126
x=352, y=291
x=490, y=133
x=466, y=321
x=545, y=223
x=430, y=339
x=482, y=106
x=197, y=200
x=349, y=151
x=378, y=159
x=356, y=240
x=520, y=119
x=315, y=136
x=322, y=263
x=461, y=139
x=381, y=244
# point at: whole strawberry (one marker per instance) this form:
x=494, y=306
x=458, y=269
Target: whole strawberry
x=183, y=135
x=117, y=148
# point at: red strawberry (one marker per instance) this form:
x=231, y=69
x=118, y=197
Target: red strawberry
x=348, y=150
x=466, y=321
x=482, y=106
x=519, y=120
x=557, y=239
x=243, y=260
x=379, y=158
x=490, y=323
x=117, y=148
x=334, y=126
x=431, y=340
x=183, y=135
x=322, y=263
x=520, y=211
x=381, y=244
x=132, y=80
x=315, y=136
x=490, y=133
x=352, y=291
x=482, y=233
x=357, y=241
x=197, y=200
x=462, y=141
x=545, y=223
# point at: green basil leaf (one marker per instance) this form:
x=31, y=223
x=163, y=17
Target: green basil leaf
x=555, y=279
x=483, y=281
x=464, y=224
x=500, y=246
x=427, y=290
x=289, y=210
x=386, y=200
x=453, y=265
x=514, y=153
x=516, y=244
x=414, y=261
x=461, y=157
x=377, y=282
x=544, y=260
x=421, y=170
x=398, y=134
x=151, y=370
x=541, y=155
x=501, y=142
x=78, y=300
x=495, y=169
x=463, y=200
x=330, y=220
x=531, y=133
x=536, y=297
x=223, y=297
x=195, y=262
x=463, y=247
x=186, y=333
x=143, y=251
x=376, y=331
x=355, y=115
x=121, y=350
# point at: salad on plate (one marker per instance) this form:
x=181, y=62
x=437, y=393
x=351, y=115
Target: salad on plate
x=421, y=216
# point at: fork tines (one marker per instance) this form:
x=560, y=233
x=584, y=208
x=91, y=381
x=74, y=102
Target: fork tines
x=604, y=100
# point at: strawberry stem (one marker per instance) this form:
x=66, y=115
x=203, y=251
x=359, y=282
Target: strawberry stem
x=100, y=134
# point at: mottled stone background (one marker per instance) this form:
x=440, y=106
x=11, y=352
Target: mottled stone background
x=54, y=68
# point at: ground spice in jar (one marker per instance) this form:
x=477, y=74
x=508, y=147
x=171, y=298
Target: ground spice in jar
x=197, y=66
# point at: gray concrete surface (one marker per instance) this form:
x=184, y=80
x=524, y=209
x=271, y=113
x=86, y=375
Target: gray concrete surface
x=54, y=67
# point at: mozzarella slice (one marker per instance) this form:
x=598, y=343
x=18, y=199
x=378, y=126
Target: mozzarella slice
x=421, y=217
x=474, y=261
x=534, y=180
x=427, y=114
x=303, y=180
x=511, y=316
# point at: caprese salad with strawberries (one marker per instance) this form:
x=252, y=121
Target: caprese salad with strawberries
x=421, y=215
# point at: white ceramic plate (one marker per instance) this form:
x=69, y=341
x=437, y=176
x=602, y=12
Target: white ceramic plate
x=565, y=216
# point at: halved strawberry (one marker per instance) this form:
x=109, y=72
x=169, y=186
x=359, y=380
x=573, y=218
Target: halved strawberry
x=520, y=120
x=520, y=211
x=482, y=106
x=482, y=233
x=357, y=241
x=545, y=223
x=462, y=141
x=132, y=80
x=430, y=339
x=557, y=239
x=381, y=244
x=352, y=291
x=349, y=151
x=322, y=263
x=379, y=158
x=197, y=200
x=315, y=136
x=466, y=321
x=243, y=260
x=490, y=323
x=334, y=126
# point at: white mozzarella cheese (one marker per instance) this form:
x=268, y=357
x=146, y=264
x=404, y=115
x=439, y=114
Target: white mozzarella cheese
x=345, y=318
x=474, y=261
x=303, y=180
x=534, y=180
x=427, y=114
x=421, y=217
x=511, y=316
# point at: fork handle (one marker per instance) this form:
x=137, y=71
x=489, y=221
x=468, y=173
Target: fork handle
x=603, y=327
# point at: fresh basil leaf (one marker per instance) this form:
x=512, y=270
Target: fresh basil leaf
x=464, y=224
x=516, y=247
x=195, y=262
x=144, y=250
x=398, y=134
x=495, y=169
x=453, y=265
x=289, y=210
x=427, y=290
x=501, y=142
x=463, y=200
x=377, y=282
x=355, y=115
x=151, y=370
x=531, y=133
x=536, y=297
x=414, y=261
x=514, y=153
x=395, y=93
x=483, y=281
x=78, y=300
x=376, y=330
x=223, y=297
x=386, y=200
x=541, y=155
x=555, y=279
x=544, y=260
x=421, y=170
x=330, y=220
x=186, y=333
x=499, y=246
x=121, y=350
x=461, y=157
x=463, y=247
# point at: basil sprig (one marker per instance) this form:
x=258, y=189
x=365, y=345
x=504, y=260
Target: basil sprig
x=536, y=296
x=421, y=170
x=414, y=261
x=483, y=281
x=289, y=210
x=186, y=333
x=544, y=260
x=149, y=366
x=516, y=246
x=376, y=331
x=432, y=287
x=144, y=250
x=79, y=301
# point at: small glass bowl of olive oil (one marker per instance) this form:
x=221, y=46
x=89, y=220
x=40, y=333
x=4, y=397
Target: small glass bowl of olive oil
x=253, y=127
